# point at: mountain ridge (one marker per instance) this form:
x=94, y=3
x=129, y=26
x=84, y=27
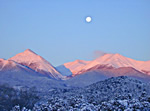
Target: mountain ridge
x=39, y=64
x=104, y=64
x=116, y=61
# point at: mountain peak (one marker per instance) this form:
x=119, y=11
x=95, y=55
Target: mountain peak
x=116, y=61
x=117, y=54
x=79, y=61
x=29, y=51
x=112, y=55
x=76, y=65
x=37, y=63
x=28, y=56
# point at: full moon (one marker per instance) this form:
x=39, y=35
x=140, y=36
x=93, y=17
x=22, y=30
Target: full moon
x=88, y=19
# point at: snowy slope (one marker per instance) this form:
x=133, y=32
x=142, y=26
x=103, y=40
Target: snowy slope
x=9, y=65
x=15, y=74
x=116, y=61
x=63, y=70
x=37, y=63
x=76, y=65
x=100, y=72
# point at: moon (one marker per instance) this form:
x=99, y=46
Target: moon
x=88, y=19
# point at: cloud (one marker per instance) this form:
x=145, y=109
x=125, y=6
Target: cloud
x=98, y=53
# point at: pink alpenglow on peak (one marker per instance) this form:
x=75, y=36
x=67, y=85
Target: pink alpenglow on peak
x=113, y=60
x=37, y=63
x=9, y=65
x=76, y=65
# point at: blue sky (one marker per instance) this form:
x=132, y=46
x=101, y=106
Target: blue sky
x=56, y=29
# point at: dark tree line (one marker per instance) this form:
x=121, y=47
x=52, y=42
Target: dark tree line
x=9, y=97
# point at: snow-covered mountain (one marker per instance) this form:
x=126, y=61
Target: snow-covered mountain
x=108, y=65
x=32, y=60
x=117, y=61
x=102, y=72
x=76, y=65
x=9, y=65
x=17, y=75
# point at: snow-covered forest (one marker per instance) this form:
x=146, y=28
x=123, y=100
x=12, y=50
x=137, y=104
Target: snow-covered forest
x=116, y=93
